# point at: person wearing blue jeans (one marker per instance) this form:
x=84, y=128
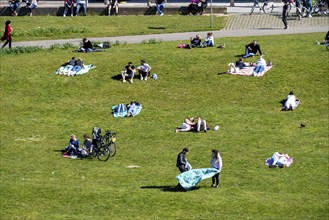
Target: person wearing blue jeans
x=260, y=66
x=31, y=4
x=251, y=49
x=83, y=4
x=160, y=6
x=309, y=8
x=14, y=5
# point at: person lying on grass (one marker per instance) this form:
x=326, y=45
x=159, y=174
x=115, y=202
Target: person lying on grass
x=190, y=124
x=279, y=160
x=239, y=65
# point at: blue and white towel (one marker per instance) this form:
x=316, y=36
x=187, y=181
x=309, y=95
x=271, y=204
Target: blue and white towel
x=190, y=178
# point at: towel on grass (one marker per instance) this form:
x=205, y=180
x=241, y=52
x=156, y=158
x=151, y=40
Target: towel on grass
x=190, y=178
x=121, y=110
x=63, y=71
x=247, y=71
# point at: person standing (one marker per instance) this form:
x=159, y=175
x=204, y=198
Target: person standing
x=83, y=4
x=181, y=161
x=285, y=13
x=7, y=34
x=216, y=162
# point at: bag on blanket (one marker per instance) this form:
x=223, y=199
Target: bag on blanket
x=120, y=110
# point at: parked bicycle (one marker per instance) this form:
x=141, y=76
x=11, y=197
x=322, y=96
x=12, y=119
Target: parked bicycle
x=103, y=147
x=266, y=8
x=319, y=7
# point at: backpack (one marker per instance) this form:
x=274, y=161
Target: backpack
x=121, y=110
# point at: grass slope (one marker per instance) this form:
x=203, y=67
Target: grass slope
x=52, y=27
x=40, y=110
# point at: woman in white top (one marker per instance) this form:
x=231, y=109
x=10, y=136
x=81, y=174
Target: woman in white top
x=260, y=66
x=216, y=162
x=290, y=103
x=209, y=41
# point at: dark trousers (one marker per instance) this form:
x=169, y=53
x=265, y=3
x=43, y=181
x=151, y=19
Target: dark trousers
x=215, y=177
x=8, y=41
x=285, y=15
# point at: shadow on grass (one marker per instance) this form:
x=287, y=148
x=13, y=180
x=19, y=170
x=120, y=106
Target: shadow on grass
x=117, y=77
x=170, y=188
x=156, y=27
x=222, y=73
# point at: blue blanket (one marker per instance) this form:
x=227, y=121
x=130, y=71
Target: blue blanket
x=122, y=111
x=190, y=178
x=63, y=71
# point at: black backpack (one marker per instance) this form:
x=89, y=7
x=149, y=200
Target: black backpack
x=96, y=132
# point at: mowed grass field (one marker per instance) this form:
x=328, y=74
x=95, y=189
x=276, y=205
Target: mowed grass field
x=39, y=111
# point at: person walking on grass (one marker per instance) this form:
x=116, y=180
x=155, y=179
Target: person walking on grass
x=7, y=35
x=216, y=162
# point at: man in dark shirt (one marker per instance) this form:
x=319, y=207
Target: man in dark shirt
x=285, y=13
x=181, y=161
x=87, y=45
x=251, y=49
x=128, y=73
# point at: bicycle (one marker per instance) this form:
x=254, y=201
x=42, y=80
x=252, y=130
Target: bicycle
x=319, y=5
x=267, y=7
x=104, y=147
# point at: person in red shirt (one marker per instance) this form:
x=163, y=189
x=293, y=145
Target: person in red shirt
x=7, y=35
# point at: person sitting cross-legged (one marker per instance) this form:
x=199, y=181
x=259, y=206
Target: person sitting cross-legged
x=251, y=49
x=144, y=70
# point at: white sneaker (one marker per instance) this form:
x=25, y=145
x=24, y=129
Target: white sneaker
x=161, y=14
x=145, y=78
x=64, y=16
x=71, y=15
x=309, y=16
x=131, y=81
x=123, y=81
x=141, y=78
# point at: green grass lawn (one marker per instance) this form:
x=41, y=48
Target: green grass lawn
x=39, y=110
x=52, y=27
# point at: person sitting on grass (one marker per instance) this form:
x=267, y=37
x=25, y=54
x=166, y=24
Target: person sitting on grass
x=73, y=148
x=239, y=65
x=191, y=125
x=128, y=73
x=87, y=46
x=144, y=70
x=251, y=49
x=209, y=40
x=259, y=67
x=290, y=102
x=195, y=42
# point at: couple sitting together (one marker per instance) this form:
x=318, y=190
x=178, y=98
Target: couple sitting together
x=144, y=71
x=197, y=41
x=190, y=124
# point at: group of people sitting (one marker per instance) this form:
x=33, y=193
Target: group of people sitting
x=190, y=124
x=197, y=7
x=250, y=51
x=129, y=71
x=71, y=67
x=196, y=42
x=30, y=5
x=73, y=149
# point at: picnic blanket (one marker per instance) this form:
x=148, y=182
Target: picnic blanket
x=61, y=70
x=121, y=110
x=192, y=177
x=247, y=71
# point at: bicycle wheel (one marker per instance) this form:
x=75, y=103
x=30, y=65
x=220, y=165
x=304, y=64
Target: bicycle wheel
x=113, y=149
x=103, y=154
